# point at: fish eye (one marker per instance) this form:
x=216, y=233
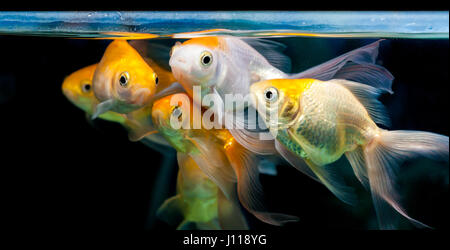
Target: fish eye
x=124, y=78
x=85, y=87
x=156, y=79
x=271, y=94
x=177, y=112
x=206, y=58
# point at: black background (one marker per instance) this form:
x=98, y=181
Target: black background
x=62, y=174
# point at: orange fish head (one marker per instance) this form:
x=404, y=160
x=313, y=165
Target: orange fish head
x=173, y=112
x=171, y=116
x=123, y=76
x=77, y=87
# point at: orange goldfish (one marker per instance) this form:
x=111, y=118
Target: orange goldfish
x=123, y=81
x=77, y=87
x=216, y=153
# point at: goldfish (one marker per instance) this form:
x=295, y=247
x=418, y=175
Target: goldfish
x=316, y=122
x=227, y=163
x=123, y=81
x=200, y=202
x=77, y=87
x=223, y=65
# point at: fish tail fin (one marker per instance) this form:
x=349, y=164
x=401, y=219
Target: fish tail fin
x=230, y=216
x=171, y=210
x=250, y=191
x=384, y=155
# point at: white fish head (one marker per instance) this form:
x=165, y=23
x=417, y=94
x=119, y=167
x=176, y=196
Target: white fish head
x=194, y=65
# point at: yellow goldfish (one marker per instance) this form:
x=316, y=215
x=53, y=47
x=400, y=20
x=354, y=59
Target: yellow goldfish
x=200, y=201
x=123, y=81
x=316, y=122
x=77, y=87
x=216, y=153
x=226, y=65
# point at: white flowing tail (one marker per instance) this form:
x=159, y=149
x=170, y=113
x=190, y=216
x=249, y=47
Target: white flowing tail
x=383, y=156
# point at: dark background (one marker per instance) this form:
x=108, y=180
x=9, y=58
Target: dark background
x=60, y=172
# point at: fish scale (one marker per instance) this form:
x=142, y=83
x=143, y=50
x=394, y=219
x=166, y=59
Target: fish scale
x=324, y=128
x=284, y=139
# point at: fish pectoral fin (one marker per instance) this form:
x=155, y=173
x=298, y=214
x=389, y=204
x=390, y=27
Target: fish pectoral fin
x=334, y=182
x=137, y=131
x=89, y=119
x=171, y=210
x=250, y=190
x=295, y=161
x=102, y=107
x=137, y=135
x=174, y=88
x=326, y=174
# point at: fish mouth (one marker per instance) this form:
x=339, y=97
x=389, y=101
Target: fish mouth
x=179, y=65
x=70, y=95
x=141, y=96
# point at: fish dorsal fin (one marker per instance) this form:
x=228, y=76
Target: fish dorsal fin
x=157, y=52
x=367, y=95
x=356, y=65
x=272, y=51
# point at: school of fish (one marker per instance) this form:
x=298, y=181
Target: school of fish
x=312, y=119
